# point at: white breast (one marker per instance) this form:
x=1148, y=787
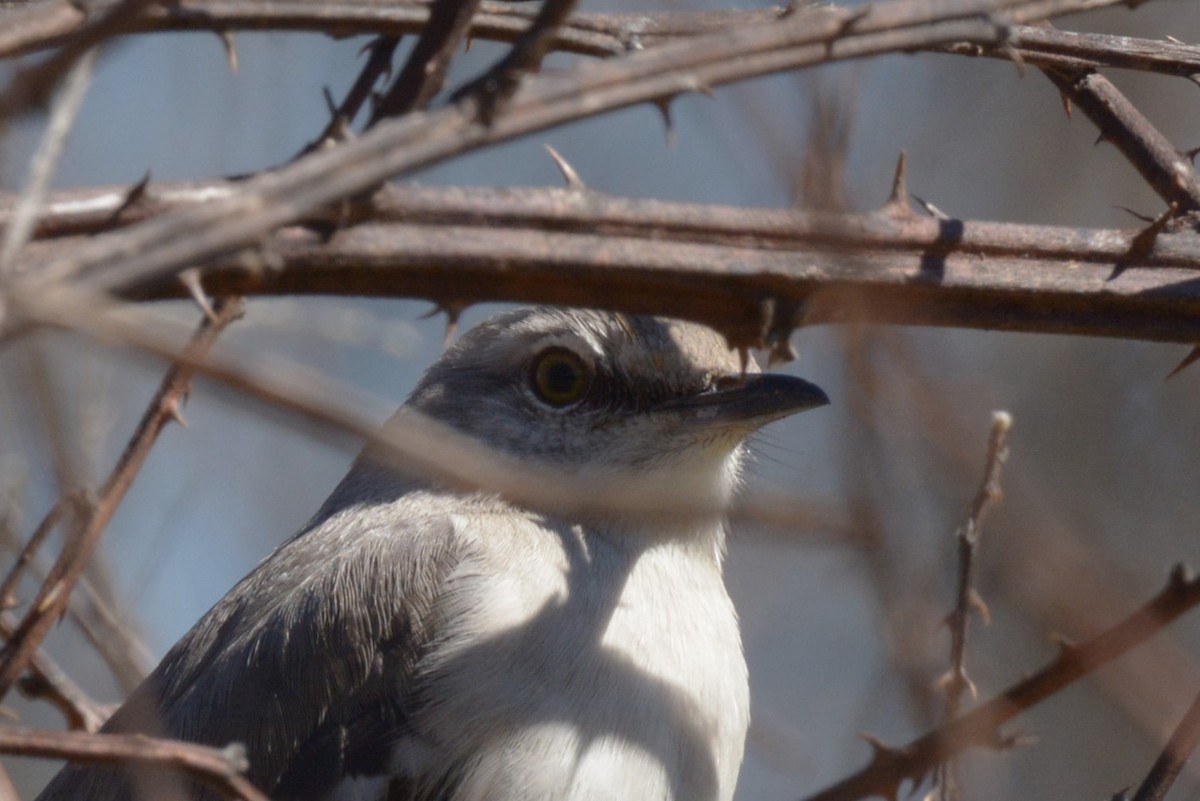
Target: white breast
x=588, y=668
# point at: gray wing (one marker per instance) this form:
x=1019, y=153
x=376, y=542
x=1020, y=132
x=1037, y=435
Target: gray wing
x=308, y=662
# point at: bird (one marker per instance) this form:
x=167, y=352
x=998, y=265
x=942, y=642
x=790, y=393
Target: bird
x=417, y=642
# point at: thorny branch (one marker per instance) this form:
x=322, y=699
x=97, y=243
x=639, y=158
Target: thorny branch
x=222, y=768
x=51, y=599
x=956, y=683
x=29, y=28
x=751, y=273
x=164, y=246
x=1175, y=755
x=45, y=679
x=891, y=767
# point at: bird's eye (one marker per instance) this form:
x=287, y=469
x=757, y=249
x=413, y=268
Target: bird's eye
x=559, y=377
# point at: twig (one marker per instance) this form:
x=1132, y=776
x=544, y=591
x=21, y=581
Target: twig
x=50, y=601
x=29, y=551
x=31, y=86
x=1174, y=757
x=425, y=71
x=491, y=90
x=20, y=224
x=1167, y=170
x=956, y=683
x=164, y=246
x=222, y=768
x=890, y=767
x=379, y=64
x=47, y=680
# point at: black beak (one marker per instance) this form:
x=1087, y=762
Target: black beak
x=752, y=398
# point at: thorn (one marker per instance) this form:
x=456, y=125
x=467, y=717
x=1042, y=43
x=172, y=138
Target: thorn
x=1143, y=241
x=330, y=103
x=782, y=352
x=1194, y=78
x=1190, y=155
x=1065, y=645
x=897, y=202
x=574, y=182
x=881, y=750
x=744, y=358
x=172, y=409
x=980, y=607
x=1172, y=39
x=1100, y=139
x=1066, y=102
x=190, y=278
x=133, y=196
x=785, y=11
x=453, y=310
x=1188, y=360
x=1014, y=55
x=51, y=597
x=664, y=108
x=10, y=713
x=8, y=602
x=1137, y=215
x=1181, y=578
x=932, y=210
x=231, y=54
x=470, y=40
x=1122, y=794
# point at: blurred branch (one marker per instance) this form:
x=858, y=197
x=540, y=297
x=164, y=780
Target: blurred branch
x=162, y=247
x=52, y=598
x=751, y=273
x=890, y=767
x=222, y=768
x=1175, y=755
x=26, y=29
x=45, y=679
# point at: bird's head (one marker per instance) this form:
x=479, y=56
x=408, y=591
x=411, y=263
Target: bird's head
x=663, y=401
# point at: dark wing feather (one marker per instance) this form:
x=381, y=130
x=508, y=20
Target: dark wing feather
x=302, y=662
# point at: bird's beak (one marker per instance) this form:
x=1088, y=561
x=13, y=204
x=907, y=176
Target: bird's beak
x=749, y=399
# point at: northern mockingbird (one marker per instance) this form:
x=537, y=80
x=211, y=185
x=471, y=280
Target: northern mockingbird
x=413, y=643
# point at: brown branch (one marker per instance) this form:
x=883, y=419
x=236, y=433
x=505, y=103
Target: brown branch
x=29, y=550
x=1168, y=171
x=222, y=768
x=26, y=29
x=956, y=683
x=425, y=71
x=748, y=272
x=52, y=598
x=31, y=87
x=165, y=246
x=47, y=680
x=1174, y=757
x=379, y=64
x=981, y=726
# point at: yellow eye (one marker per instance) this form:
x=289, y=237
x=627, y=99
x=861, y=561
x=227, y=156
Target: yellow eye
x=559, y=377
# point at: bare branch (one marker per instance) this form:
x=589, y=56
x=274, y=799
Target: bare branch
x=164, y=246
x=1164, y=167
x=222, y=768
x=50, y=601
x=981, y=726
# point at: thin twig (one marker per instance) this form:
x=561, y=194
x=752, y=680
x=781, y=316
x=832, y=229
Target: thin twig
x=222, y=768
x=890, y=767
x=50, y=601
x=47, y=680
x=30, y=87
x=379, y=64
x=425, y=71
x=27, y=554
x=956, y=682
x=1174, y=757
x=20, y=224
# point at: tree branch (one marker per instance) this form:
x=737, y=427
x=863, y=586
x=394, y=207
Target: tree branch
x=221, y=768
x=981, y=726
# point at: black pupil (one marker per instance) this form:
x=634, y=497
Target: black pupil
x=560, y=378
